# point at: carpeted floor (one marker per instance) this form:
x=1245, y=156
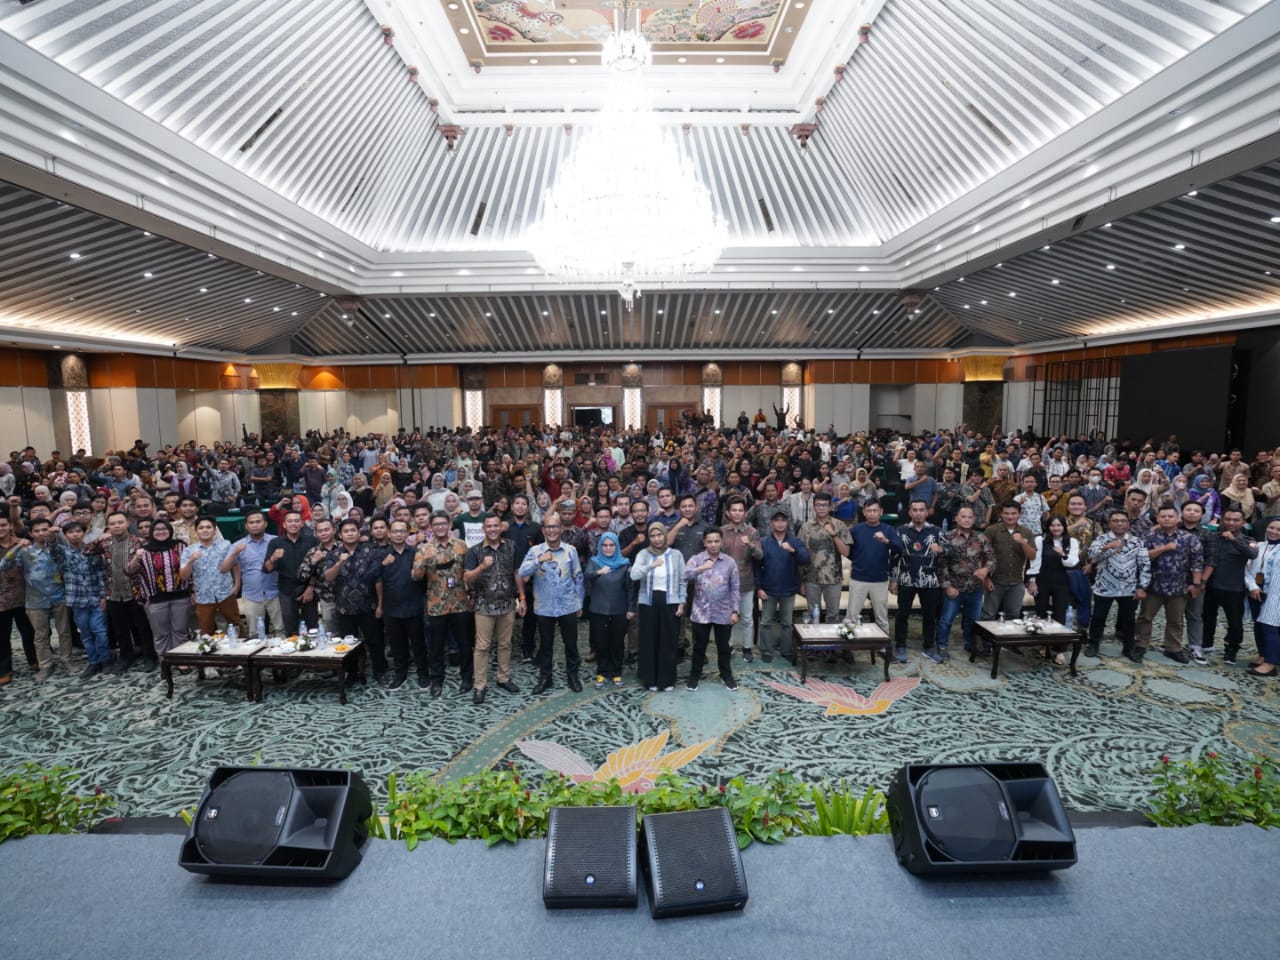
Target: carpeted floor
x=1100, y=733
x=1196, y=893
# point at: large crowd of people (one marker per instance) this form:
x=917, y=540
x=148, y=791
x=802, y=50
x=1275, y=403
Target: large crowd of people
x=461, y=550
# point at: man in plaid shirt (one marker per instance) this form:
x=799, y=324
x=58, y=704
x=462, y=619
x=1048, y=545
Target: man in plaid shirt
x=85, y=582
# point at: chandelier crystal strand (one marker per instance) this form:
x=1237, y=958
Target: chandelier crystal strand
x=627, y=207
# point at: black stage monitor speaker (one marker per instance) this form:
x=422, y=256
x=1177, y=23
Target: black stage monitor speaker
x=692, y=864
x=989, y=817
x=591, y=858
x=264, y=824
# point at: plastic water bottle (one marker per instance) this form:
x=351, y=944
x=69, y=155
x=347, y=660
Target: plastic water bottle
x=321, y=636
x=302, y=628
x=231, y=634
x=815, y=614
x=262, y=629
x=1001, y=617
x=1071, y=618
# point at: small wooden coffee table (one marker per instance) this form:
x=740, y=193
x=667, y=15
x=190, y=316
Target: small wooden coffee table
x=1013, y=633
x=188, y=655
x=326, y=659
x=825, y=637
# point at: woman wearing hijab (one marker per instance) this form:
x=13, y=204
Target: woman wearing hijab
x=1240, y=494
x=659, y=571
x=609, y=590
x=362, y=494
x=1255, y=577
x=157, y=567
x=332, y=487
x=181, y=481
x=1179, y=493
x=1207, y=497
x=384, y=493
x=437, y=492
x=342, y=507
x=7, y=480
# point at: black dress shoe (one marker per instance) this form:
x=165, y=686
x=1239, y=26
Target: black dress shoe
x=1136, y=654
x=509, y=686
x=477, y=696
x=575, y=684
x=1177, y=656
x=92, y=670
x=436, y=690
x=424, y=681
x=397, y=680
x=1091, y=650
x=542, y=686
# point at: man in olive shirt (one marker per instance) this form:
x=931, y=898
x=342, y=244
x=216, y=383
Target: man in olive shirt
x=742, y=543
x=1014, y=547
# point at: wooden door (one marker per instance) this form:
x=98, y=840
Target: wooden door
x=665, y=415
x=503, y=415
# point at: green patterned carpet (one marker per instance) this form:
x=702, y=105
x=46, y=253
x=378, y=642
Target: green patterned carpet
x=1100, y=733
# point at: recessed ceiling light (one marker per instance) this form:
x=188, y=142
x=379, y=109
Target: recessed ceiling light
x=719, y=59
x=294, y=313
x=148, y=275
x=1055, y=282
x=773, y=311
x=533, y=59
x=1193, y=193
x=966, y=306
x=659, y=311
x=453, y=6
x=604, y=313
x=75, y=256
x=1047, y=246
x=828, y=311
x=682, y=59
x=960, y=279
x=982, y=303
x=1275, y=219
x=573, y=59
x=204, y=289
x=1012, y=294
x=431, y=315
x=397, y=273
x=873, y=313
x=797, y=269
x=386, y=316
x=999, y=265
x=275, y=309
x=248, y=299
x=320, y=254
x=146, y=233
x=1111, y=266
x=464, y=31
x=863, y=269
x=211, y=256
x=1106, y=226
x=464, y=272
x=56, y=346
x=1179, y=246
x=937, y=247
x=324, y=294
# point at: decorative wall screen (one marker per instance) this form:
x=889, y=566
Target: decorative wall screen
x=632, y=408
x=78, y=416
x=473, y=408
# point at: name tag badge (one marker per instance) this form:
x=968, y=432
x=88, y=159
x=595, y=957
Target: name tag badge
x=451, y=583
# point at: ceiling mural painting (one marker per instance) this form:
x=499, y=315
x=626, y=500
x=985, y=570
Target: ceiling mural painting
x=757, y=29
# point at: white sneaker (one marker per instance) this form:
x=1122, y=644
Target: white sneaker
x=211, y=673
x=1198, y=657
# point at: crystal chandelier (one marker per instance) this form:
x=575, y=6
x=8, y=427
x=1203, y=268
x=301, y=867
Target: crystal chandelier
x=627, y=207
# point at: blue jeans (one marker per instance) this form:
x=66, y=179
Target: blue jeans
x=91, y=621
x=969, y=604
x=1082, y=594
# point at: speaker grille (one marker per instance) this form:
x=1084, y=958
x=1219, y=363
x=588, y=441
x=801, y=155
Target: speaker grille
x=693, y=863
x=965, y=814
x=243, y=817
x=591, y=857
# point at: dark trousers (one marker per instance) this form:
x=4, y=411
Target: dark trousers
x=1255, y=608
x=129, y=628
x=1082, y=595
x=1126, y=615
x=1231, y=603
x=293, y=612
x=930, y=607
x=405, y=634
x=724, y=651
x=369, y=629
x=1053, y=598
x=447, y=631
x=609, y=641
x=656, y=659
x=528, y=635
x=568, y=625
x=8, y=620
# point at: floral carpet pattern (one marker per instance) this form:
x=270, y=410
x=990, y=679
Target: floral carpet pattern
x=1100, y=733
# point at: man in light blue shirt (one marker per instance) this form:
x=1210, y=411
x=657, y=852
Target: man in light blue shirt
x=259, y=592
x=555, y=573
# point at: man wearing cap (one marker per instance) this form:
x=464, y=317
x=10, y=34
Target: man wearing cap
x=469, y=527
x=777, y=581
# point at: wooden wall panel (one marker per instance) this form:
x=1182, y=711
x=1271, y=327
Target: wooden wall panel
x=384, y=377
x=357, y=378
x=322, y=378
x=24, y=368
x=111, y=370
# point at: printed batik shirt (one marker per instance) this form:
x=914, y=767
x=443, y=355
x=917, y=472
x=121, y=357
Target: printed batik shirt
x=1119, y=573
x=963, y=555
x=918, y=563
x=1171, y=573
x=558, y=585
x=211, y=585
x=354, y=582
x=826, y=565
x=441, y=564
x=715, y=592
x=42, y=574
x=494, y=591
